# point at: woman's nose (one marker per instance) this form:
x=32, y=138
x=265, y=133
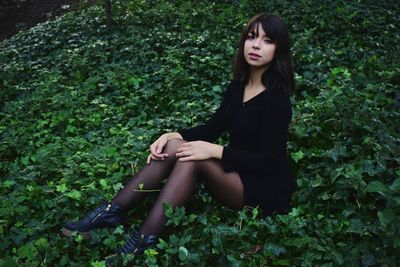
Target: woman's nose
x=256, y=43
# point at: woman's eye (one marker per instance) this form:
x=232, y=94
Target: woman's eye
x=268, y=41
x=250, y=36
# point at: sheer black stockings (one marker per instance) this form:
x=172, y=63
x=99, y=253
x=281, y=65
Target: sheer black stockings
x=182, y=176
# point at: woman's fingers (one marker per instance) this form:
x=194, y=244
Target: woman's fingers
x=184, y=147
x=153, y=148
x=184, y=151
x=157, y=147
x=160, y=145
x=188, y=158
x=153, y=157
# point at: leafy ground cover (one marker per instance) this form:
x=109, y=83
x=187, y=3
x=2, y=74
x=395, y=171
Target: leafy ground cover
x=81, y=103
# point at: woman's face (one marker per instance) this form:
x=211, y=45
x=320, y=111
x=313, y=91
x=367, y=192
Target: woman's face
x=259, y=50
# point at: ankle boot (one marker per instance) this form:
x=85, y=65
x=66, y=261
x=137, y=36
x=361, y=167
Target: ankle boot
x=106, y=215
x=137, y=243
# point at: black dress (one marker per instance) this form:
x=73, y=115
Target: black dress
x=258, y=130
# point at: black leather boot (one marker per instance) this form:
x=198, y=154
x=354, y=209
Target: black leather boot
x=137, y=243
x=106, y=215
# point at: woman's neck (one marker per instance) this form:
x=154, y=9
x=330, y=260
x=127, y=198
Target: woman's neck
x=255, y=81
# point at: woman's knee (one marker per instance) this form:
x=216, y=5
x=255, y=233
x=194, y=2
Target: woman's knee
x=172, y=145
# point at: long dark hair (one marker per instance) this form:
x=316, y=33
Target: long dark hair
x=279, y=75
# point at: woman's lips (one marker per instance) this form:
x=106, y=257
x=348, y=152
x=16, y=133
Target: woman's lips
x=254, y=56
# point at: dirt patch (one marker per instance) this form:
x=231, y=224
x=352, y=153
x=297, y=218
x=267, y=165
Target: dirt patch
x=17, y=15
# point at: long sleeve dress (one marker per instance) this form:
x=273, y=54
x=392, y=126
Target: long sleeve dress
x=257, y=150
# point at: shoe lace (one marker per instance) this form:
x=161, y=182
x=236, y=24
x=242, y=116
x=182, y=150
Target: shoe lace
x=133, y=243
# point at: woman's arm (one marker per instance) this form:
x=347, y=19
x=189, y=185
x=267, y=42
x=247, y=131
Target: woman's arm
x=199, y=150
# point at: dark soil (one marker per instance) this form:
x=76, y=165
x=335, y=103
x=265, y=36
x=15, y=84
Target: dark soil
x=17, y=15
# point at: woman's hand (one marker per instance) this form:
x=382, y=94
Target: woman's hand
x=157, y=147
x=199, y=150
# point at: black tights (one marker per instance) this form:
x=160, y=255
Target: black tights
x=182, y=176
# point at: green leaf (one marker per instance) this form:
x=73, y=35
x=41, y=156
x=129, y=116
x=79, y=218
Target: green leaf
x=8, y=262
x=274, y=249
x=62, y=188
x=282, y=262
x=103, y=183
x=396, y=242
x=8, y=183
x=42, y=243
x=162, y=244
x=27, y=251
x=387, y=216
x=151, y=252
x=74, y=194
x=376, y=186
x=174, y=240
x=98, y=264
x=217, y=89
x=296, y=156
x=338, y=258
x=183, y=253
x=395, y=185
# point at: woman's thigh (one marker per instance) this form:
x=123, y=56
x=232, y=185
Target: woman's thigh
x=226, y=187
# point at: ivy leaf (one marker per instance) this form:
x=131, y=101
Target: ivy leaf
x=74, y=194
x=8, y=183
x=396, y=242
x=296, y=156
x=9, y=262
x=62, y=188
x=395, y=185
x=282, y=262
x=387, y=216
x=103, y=183
x=183, y=253
x=151, y=252
x=27, y=251
x=162, y=244
x=273, y=249
x=338, y=258
x=42, y=243
x=376, y=186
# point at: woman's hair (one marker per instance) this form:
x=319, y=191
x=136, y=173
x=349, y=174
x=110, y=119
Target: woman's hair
x=280, y=72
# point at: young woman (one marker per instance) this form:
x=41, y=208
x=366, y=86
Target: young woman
x=252, y=170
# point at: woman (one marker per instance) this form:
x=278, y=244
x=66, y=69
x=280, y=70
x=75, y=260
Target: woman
x=252, y=170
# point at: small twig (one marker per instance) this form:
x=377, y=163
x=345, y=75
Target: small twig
x=358, y=203
x=51, y=191
x=133, y=168
x=147, y=190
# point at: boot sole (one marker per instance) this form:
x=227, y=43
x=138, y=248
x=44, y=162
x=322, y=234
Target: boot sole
x=85, y=235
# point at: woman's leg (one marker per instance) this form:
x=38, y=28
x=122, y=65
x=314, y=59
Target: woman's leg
x=148, y=178
x=226, y=187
